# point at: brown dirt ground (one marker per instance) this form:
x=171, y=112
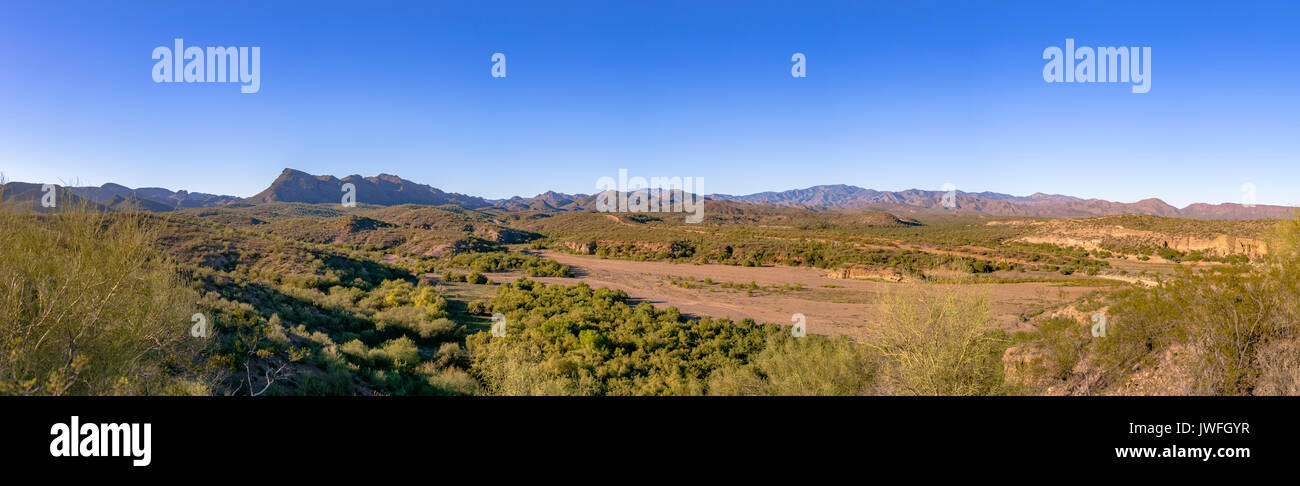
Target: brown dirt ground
x=837, y=311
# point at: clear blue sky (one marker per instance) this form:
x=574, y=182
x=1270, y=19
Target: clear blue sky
x=898, y=95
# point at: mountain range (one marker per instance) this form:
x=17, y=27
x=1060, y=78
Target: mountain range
x=388, y=190
x=382, y=190
x=913, y=201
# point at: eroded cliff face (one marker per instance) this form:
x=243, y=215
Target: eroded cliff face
x=1222, y=245
x=865, y=272
x=1060, y=234
x=583, y=248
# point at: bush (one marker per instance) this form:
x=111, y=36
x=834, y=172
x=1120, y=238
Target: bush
x=578, y=340
x=1228, y=331
x=398, y=353
x=1063, y=342
x=938, y=342
x=89, y=307
x=476, y=278
x=454, y=381
x=813, y=365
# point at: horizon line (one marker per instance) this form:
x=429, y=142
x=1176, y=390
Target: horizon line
x=729, y=195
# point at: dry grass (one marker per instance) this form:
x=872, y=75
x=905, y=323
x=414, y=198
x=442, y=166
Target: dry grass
x=88, y=307
x=938, y=342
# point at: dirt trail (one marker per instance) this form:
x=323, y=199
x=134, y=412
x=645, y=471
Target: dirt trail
x=845, y=309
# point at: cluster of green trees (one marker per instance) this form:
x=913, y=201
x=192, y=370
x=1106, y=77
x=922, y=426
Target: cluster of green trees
x=754, y=250
x=280, y=316
x=818, y=254
x=580, y=340
x=585, y=341
x=497, y=261
x=391, y=337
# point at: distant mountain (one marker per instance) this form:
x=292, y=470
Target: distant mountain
x=842, y=196
x=382, y=190
x=390, y=190
x=151, y=198
x=115, y=197
x=25, y=196
x=547, y=201
x=555, y=201
x=135, y=204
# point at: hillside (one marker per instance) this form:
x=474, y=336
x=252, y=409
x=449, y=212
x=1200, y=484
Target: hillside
x=293, y=186
x=23, y=196
x=114, y=197
x=161, y=199
x=381, y=190
x=995, y=204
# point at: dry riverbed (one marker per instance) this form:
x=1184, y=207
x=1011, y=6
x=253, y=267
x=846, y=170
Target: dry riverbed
x=831, y=306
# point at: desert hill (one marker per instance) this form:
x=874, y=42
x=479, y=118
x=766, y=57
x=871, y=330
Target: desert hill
x=382, y=190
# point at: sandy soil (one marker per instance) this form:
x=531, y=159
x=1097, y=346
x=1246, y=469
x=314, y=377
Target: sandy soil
x=843, y=310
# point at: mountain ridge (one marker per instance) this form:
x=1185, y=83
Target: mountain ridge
x=841, y=196
x=383, y=190
x=390, y=190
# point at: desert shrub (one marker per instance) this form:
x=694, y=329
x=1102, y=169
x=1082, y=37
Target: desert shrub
x=580, y=340
x=425, y=323
x=89, y=307
x=1235, y=322
x=356, y=350
x=1170, y=254
x=533, y=265
x=477, y=307
x=441, y=327
x=397, y=353
x=1226, y=320
x=334, y=379
x=1279, y=368
x=450, y=354
x=476, y=278
x=1062, y=342
x=812, y=365
x=454, y=381
x=938, y=342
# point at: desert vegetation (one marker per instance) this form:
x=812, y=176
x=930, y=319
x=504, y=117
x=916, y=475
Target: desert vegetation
x=1228, y=331
x=317, y=299
x=90, y=306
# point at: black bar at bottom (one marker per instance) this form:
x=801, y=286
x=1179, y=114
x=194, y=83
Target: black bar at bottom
x=318, y=435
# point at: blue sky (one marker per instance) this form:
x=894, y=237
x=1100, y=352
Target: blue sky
x=898, y=95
